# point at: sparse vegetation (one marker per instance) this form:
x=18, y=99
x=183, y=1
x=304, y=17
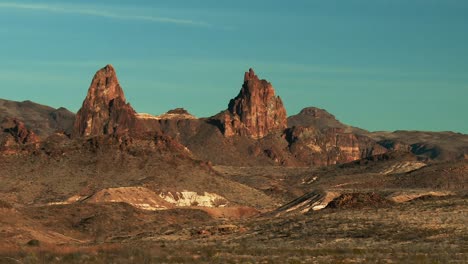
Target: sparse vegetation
x=364, y=225
x=421, y=231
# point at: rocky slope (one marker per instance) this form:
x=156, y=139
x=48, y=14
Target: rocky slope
x=318, y=137
x=321, y=119
x=43, y=120
x=441, y=146
x=330, y=145
x=54, y=172
x=15, y=137
x=18, y=131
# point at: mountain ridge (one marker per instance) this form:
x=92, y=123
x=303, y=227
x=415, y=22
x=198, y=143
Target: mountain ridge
x=254, y=128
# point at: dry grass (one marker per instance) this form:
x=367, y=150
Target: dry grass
x=422, y=231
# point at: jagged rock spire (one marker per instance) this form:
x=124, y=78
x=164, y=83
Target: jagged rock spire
x=105, y=110
x=256, y=111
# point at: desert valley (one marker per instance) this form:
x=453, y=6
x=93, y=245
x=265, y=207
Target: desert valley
x=250, y=184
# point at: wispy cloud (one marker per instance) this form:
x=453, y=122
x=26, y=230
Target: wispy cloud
x=87, y=11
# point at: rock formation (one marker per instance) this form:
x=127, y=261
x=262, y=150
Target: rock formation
x=105, y=110
x=18, y=131
x=330, y=146
x=252, y=131
x=256, y=111
x=15, y=137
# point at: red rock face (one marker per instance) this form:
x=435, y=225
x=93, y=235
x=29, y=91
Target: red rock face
x=330, y=146
x=105, y=110
x=16, y=129
x=256, y=111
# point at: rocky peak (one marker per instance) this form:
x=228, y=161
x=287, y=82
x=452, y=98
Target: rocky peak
x=178, y=111
x=256, y=111
x=18, y=131
x=104, y=110
x=316, y=113
x=320, y=119
x=105, y=86
x=250, y=75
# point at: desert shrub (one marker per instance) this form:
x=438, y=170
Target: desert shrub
x=33, y=243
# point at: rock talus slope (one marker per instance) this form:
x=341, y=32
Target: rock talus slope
x=41, y=119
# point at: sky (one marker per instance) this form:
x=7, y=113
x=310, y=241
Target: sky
x=375, y=64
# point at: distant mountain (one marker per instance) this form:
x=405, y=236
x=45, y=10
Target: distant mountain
x=425, y=144
x=43, y=120
x=429, y=145
x=254, y=129
x=321, y=119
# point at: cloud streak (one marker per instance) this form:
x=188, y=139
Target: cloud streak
x=100, y=13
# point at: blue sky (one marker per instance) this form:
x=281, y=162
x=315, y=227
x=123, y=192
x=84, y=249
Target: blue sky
x=376, y=64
